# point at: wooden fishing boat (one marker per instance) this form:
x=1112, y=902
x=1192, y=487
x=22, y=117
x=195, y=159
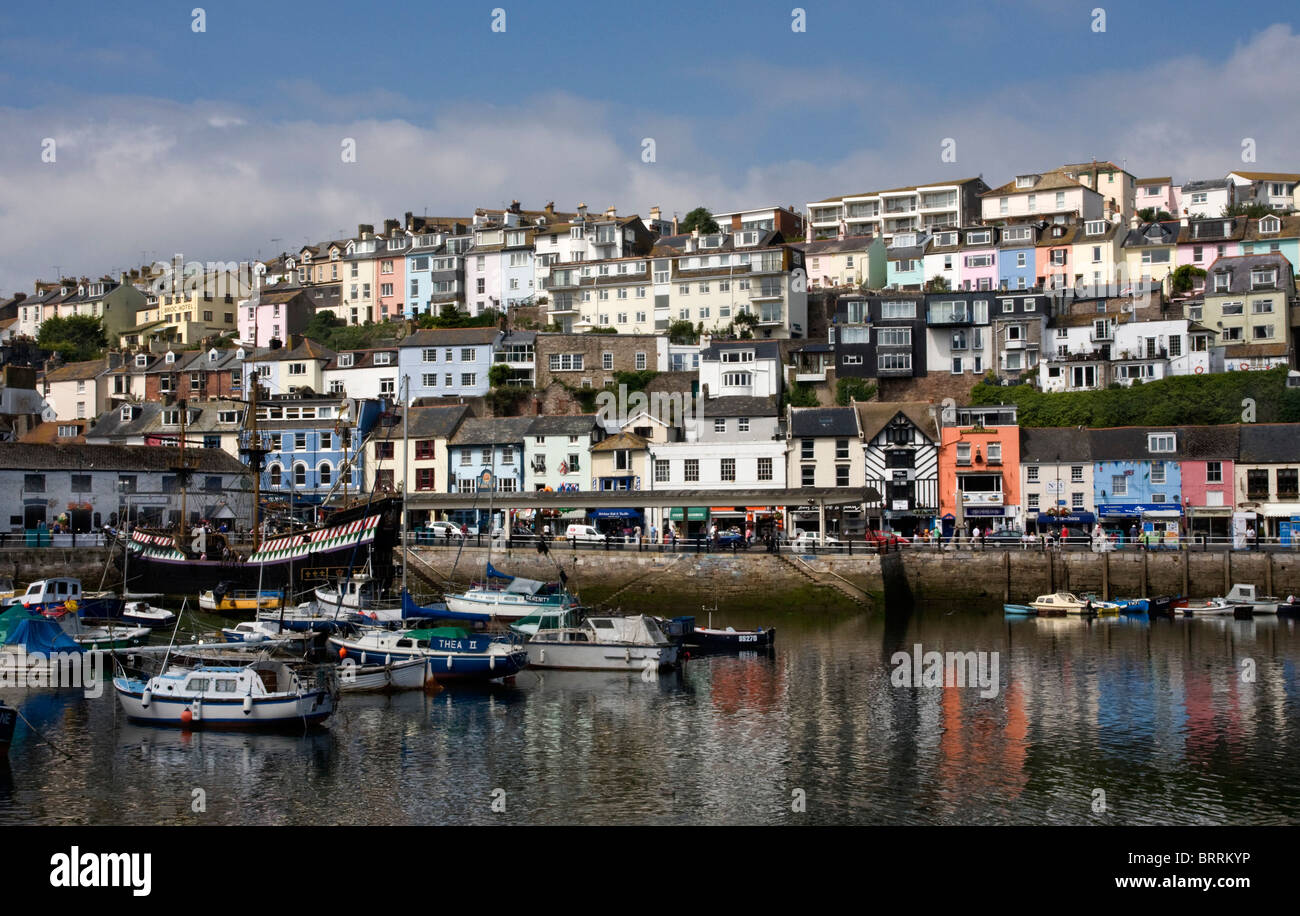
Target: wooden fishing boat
x=409, y=674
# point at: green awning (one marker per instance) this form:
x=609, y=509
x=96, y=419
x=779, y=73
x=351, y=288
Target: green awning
x=693, y=514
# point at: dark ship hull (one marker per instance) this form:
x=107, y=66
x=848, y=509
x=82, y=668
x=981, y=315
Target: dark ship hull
x=354, y=537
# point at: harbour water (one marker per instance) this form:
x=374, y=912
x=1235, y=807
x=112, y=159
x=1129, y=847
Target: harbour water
x=1119, y=721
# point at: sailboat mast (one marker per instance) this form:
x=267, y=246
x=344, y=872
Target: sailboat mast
x=182, y=470
x=254, y=447
x=406, y=465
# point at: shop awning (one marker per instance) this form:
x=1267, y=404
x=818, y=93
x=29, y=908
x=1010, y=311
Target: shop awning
x=726, y=510
x=691, y=514
x=1277, y=510
x=615, y=513
x=1139, y=510
x=1074, y=518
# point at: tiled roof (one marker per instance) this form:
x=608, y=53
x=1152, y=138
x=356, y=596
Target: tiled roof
x=579, y=425
x=76, y=371
x=450, y=337
x=28, y=456
x=621, y=440
x=492, y=431
x=876, y=415
x=1268, y=443
x=823, y=421
x=739, y=406
x=1054, y=444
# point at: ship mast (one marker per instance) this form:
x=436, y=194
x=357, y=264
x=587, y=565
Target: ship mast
x=253, y=450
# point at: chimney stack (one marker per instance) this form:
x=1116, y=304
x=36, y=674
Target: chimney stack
x=514, y=206
x=654, y=213
x=550, y=208
x=675, y=224
x=409, y=219
x=582, y=211
x=609, y=213
x=390, y=226
x=365, y=230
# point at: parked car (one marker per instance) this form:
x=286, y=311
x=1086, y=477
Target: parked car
x=440, y=530
x=812, y=539
x=875, y=537
x=732, y=538
x=1006, y=537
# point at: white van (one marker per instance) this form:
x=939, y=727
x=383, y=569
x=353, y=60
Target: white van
x=583, y=533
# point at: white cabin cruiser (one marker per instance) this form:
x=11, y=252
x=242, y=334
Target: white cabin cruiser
x=265, y=694
x=604, y=644
x=1247, y=598
x=1059, y=603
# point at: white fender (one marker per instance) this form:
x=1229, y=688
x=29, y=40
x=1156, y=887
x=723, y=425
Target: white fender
x=196, y=709
x=248, y=705
x=492, y=663
x=146, y=698
x=448, y=662
x=541, y=657
x=388, y=660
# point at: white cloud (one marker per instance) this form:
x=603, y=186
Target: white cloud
x=219, y=181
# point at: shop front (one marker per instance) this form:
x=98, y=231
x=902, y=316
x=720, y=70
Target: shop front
x=688, y=522
x=1161, y=521
x=1081, y=522
x=617, y=522
x=1280, y=520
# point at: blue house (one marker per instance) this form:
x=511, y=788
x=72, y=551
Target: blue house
x=1016, y=252
x=905, y=260
x=447, y=363
x=486, y=455
x=1137, y=479
x=309, y=440
x=435, y=273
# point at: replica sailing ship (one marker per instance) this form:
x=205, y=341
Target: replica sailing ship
x=358, y=535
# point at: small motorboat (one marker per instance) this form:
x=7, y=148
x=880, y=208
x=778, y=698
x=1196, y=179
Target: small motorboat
x=1068, y=603
x=408, y=674
x=1204, y=607
x=357, y=593
x=1289, y=608
x=8, y=722
x=1246, y=598
x=508, y=597
x=107, y=635
x=143, y=614
x=1019, y=610
x=63, y=593
x=1160, y=606
x=731, y=640
x=263, y=631
x=263, y=694
x=308, y=616
x=708, y=639
x=453, y=654
x=604, y=644
x=238, y=602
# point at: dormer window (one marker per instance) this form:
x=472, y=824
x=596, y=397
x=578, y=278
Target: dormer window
x=239, y=354
x=1161, y=442
x=1026, y=181
x=171, y=417
x=141, y=360
x=1263, y=279
x=1155, y=233
x=125, y=415
x=1270, y=224
x=383, y=359
x=213, y=354
x=1094, y=227
x=169, y=358
x=977, y=238
x=346, y=360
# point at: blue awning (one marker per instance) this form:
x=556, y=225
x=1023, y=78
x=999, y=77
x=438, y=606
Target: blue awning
x=614, y=513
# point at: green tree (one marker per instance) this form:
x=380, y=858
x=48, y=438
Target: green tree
x=75, y=338
x=682, y=332
x=1152, y=215
x=322, y=325
x=700, y=218
x=939, y=284
x=801, y=394
x=853, y=389
x=1248, y=208
x=1183, y=277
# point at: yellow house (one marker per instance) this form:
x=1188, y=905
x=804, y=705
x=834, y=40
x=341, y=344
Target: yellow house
x=187, y=310
x=1098, y=253
x=1149, y=251
x=1246, y=303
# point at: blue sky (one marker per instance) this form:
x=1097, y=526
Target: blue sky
x=214, y=144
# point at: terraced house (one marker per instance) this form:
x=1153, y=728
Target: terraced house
x=901, y=462
x=315, y=446
x=1247, y=302
x=446, y=362
x=943, y=204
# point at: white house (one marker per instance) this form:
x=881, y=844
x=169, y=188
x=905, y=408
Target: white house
x=741, y=368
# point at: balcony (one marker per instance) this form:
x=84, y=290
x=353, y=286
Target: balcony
x=765, y=292
x=1014, y=344
x=826, y=216
x=563, y=305
x=940, y=317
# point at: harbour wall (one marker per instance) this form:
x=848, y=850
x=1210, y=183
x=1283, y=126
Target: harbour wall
x=658, y=582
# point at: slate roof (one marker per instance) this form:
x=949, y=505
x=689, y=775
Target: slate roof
x=1205, y=184
x=823, y=421
x=363, y=359
x=850, y=244
x=428, y=422
x=1129, y=443
x=1238, y=267
x=492, y=431
x=1166, y=234
x=579, y=425
x=740, y=406
x=71, y=372
x=1269, y=176
x=451, y=337
x=24, y=456
x=1269, y=443
x=1147, y=181
x=1049, y=181
x=306, y=349
x=1289, y=229
x=1055, y=445
x=1211, y=229
x=1213, y=443
x=763, y=349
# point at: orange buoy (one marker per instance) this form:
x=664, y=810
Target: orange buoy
x=343, y=651
x=187, y=716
